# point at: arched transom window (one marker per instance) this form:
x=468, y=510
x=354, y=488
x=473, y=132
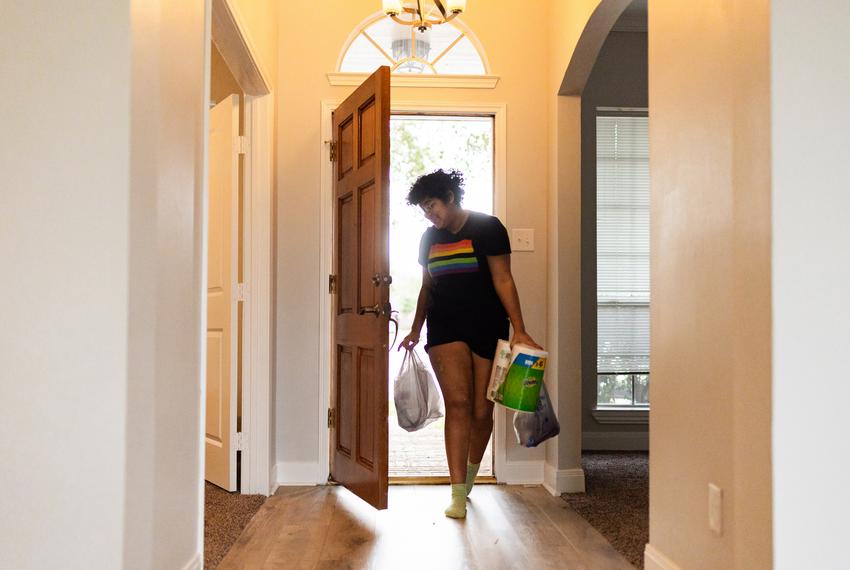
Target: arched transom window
x=444, y=49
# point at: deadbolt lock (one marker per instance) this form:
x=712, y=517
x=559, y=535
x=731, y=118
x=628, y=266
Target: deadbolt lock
x=378, y=279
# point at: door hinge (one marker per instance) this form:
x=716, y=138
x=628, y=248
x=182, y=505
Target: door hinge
x=332, y=284
x=241, y=292
x=331, y=417
x=332, y=150
x=243, y=144
x=239, y=441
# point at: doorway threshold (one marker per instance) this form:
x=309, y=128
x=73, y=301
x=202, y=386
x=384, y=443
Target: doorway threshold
x=438, y=480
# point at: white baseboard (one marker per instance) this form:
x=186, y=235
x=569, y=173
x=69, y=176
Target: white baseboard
x=196, y=563
x=273, y=484
x=615, y=440
x=558, y=481
x=521, y=473
x=289, y=473
x=653, y=559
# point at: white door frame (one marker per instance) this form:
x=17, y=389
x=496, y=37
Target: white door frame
x=227, y=30
x=500, y=199
x=258, y=274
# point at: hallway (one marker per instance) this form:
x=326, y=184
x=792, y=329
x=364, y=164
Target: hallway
x=506, y=527
x=106, y=221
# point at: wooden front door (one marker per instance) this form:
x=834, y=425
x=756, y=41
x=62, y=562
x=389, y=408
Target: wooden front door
x=361, y=127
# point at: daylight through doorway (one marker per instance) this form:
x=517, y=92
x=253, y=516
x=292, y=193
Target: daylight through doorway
x=421, y=144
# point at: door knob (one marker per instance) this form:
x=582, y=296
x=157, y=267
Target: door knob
x=378, y=310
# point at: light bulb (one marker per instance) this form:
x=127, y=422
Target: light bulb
x=392, y=7
x=456, y=6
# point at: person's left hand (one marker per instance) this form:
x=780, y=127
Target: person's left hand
x=522, y=337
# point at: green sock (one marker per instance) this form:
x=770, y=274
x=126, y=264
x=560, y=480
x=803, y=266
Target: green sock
x=471, y=472
x=457, y=508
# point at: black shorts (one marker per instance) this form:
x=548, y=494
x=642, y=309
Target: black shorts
x=480, y=336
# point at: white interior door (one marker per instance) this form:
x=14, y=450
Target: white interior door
x=222, y=273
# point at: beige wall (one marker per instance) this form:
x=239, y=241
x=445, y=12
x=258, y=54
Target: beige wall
x=711, y=371
x=222, y=82
x=566, y=22
x=260, y=21
x=309, y=48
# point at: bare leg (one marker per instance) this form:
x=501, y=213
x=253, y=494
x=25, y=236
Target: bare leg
x=482, y=409
x=452, y=363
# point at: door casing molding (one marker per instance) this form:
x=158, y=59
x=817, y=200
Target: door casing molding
x=226, y=28
x=499, y=113
x=257, y=319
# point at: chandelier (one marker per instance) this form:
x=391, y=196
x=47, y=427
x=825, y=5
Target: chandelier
x=441, y=12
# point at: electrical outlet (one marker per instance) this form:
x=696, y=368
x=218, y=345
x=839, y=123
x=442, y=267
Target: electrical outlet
x=523, y=239
x=715, y=509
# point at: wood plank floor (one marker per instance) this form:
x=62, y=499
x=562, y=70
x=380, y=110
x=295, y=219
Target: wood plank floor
x=327, y=527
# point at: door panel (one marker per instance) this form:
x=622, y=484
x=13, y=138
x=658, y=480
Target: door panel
x=367, y=131
x=345, y=136
x=345, y=423
x=347, y=265
x=222, y=265
x=368, y=224
x=367, y=433
x=361, y=127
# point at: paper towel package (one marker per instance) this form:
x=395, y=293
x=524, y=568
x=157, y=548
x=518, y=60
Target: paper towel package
x=501, y=363
x=517, y=376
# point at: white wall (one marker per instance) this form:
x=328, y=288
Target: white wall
x=102, y=161
x=163, y=528
x=810, y=81
x=64, y=204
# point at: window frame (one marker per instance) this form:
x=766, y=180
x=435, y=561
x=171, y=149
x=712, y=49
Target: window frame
x=435, y=80
x=618, y=413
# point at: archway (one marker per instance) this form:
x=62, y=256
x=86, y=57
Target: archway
x=568, y=297
x=589, y=44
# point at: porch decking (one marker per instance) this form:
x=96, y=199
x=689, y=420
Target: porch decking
x=423, y=453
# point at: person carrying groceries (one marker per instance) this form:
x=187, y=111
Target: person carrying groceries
x=469, y=299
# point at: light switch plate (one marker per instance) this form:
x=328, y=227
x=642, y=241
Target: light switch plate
x=715, y=509
x=522, y=239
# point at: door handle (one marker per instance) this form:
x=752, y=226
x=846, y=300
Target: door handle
x=395, y=336
x=378, y=310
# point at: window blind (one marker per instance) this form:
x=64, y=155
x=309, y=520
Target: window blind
x=622, y=243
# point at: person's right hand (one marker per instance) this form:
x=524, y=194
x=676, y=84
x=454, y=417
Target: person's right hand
x=411, y=340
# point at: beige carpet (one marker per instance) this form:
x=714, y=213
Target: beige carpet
x=617, y=499
x=225, y=515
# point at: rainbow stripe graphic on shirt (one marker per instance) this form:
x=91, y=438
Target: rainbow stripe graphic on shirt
x=452, y=258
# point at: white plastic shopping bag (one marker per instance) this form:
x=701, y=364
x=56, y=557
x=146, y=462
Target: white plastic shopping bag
x=533, y=428
x=417, y=399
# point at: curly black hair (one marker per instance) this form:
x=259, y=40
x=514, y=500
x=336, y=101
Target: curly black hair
x=438, y=184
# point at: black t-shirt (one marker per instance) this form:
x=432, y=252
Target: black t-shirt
x=457, y=263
